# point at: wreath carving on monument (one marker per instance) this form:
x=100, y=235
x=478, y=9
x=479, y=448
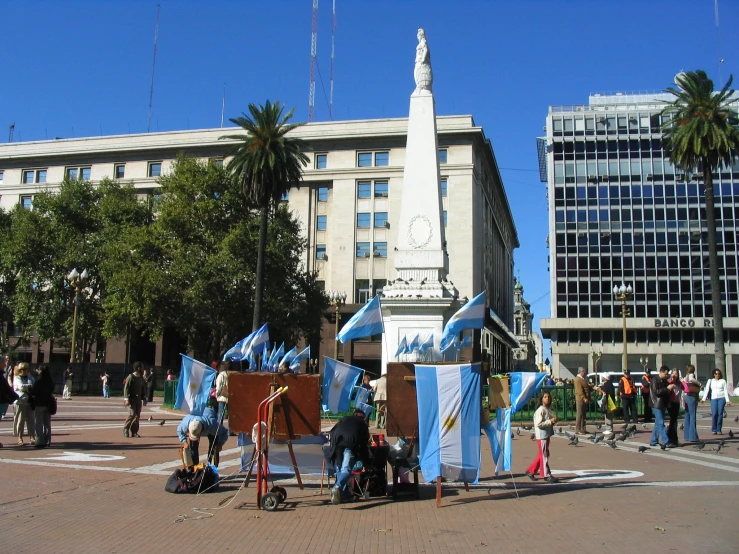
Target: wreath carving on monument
x=420, y=231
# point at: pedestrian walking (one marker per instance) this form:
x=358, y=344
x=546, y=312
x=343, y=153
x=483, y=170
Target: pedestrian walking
x=67, y=379
x=133, y=389
x=7, y=395
x=544, y=422
x=717, y=391
x=42, y=396
x=673, y=408
x=24, y=414
x=582, y=400
x=608, y=399
x=627, y=392
x=691, y=388
x=660, y=395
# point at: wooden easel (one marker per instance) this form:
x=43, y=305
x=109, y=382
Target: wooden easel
x=288, y=422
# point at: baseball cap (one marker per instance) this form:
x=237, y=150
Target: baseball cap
x=194, y=429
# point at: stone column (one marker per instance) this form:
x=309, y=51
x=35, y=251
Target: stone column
x=658, y=361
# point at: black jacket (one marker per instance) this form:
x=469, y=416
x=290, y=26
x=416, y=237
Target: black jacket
x=659, y=394
x=7, y=394
x=41, y=392
x=352, y=433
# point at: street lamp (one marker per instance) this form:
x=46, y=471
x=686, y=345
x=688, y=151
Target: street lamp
x=624, y=293
x=313, y=364
x=644, y=361
x=76, y=280
x=337, y=299
x=596, y=359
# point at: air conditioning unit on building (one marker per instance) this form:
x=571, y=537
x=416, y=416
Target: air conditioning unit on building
x=592, y=179
x=650, y=177
x=386, y=225
x=366, y=254
x=376, y=254
x=604, y=178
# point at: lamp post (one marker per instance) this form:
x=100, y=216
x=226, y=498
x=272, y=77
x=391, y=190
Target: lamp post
x=624, y=293
x=644, y=361
x=313, y=364
x=337, y=299
x=76, y=280
x=596, y=359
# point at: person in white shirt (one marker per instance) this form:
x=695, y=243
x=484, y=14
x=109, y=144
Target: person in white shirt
x=719, y=395
x=24, y=415
x=544, y=422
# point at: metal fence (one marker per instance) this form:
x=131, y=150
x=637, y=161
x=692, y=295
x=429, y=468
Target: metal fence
x=170, y=390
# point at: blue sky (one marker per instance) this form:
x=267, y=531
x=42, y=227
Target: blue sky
x=82, y=68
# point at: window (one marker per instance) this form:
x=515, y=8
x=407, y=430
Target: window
x=323, y=194
x=442, y=155
x=31, y=176
x=120, y=171
x=443, y=187
x=381, y=219
x=285, y=196
x=380, y=189
x=27, y=202
x=321, y=161
x=444, y=216
x=363, y=249
x=85, y=173
x=155, y=169
x=321, y=222
x=363, y=220
x=72, y=173
x=364, y=189
x=1, y=176
x=218, y=162
x=380, y=250
x=320, y=251
x=364, y=159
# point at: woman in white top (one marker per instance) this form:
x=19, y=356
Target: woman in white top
x=24, y=414
x=544, y=422
x=719, y=395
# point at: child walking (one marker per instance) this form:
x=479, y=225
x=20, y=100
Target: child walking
x=544, y=422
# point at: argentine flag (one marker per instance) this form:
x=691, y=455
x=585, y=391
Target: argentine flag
x=304, y=355
x=238, y=351
x=467, y=341
x=469, y=316
x=361, y=401
x=193, y=386
x=402, y=347
x=498, y=432
x=275, y=357
x=366, y=322
x=427, y=343
x=258, y=343
x=449, y=421
x=524, y=385
x=287, y=358
x=413, y=345
x=339, y=380
x=448, y=342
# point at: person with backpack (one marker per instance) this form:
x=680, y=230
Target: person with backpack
x=627, y=392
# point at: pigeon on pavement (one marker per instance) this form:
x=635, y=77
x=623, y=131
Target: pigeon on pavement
x=518, y=430
x=717, y=448
x=700, y=445
x=682, y=426
x=643, y=425
x=643, y=449
x=731, y=434
x=533, y=436
x=161, y=423
x=612, y=443
x=598, y=425
x=598, y=439
x=574, y=441
x=736, y=419
x=592, y=437
x=725, y=414
x=150, y=418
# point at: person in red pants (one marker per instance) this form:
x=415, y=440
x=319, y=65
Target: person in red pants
x=544, y=422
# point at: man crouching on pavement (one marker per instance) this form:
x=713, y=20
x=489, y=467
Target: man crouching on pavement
x=349, y=443
x=192, y=427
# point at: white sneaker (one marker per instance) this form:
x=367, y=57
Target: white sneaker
x=335, y=496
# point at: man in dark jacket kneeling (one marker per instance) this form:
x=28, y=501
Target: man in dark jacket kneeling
x=349, y=444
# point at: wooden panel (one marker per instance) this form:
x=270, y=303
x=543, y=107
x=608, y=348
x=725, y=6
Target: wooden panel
x=402, y=406
x=301, y=404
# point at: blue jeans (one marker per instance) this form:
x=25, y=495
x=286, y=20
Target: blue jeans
x=691, y=403
x=717, y=414
x=106, y=391
x=342, y=476
x=658, y=433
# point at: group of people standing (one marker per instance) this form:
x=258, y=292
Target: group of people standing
x=32, y=396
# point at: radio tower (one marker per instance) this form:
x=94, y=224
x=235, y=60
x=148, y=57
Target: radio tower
x=331, y=93
x=313, y=49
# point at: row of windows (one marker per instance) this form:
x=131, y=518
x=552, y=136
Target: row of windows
x=648, y=215
x=662, y=262
x=616, y=192
x=682, y=310
x=83, y=173
x=639, y=123
x=378, y=250
x=642, y=336
x=365, y=220
x=365, y=190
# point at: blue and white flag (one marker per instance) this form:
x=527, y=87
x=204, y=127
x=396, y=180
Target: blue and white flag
x=259, y=341
x=466, y=341
x=469, y=316
x=287, y=358
x=265, y=358
x=361, y=401
x=339, y=380
x=413, y=345
x=365, y=323
x=498, y=432
x=402, y=347
x=426, y=343
x=449, y=421
x=238, y=351
x=193, y=386
x=277, y=353
x=448, y=342
x=304, y=355
x=524, y=385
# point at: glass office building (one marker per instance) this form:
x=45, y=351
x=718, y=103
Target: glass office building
x=621, y=212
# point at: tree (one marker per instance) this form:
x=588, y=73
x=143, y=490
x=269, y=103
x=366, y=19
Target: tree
x=265, y=163
x=699, y=134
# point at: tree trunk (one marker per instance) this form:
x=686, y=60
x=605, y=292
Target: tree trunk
x=718, y=323
x=260, y=268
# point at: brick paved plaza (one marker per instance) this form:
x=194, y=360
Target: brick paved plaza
x=96, y=491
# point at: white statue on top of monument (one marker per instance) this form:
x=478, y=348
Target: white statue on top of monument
x=422, y=72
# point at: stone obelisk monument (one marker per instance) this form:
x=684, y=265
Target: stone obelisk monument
x=421, y=299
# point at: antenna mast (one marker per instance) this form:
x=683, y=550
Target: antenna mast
x=331, y=93
x=718, y=43
x=313, y=49
x=10, y=132
x=153, y=64
x=223, y=104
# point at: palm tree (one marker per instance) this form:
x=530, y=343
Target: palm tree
x=700, y=135
x=266, y=163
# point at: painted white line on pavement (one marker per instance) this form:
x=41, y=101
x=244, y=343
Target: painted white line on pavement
x=77, y=466
x=118, y=426
x=178, y=463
